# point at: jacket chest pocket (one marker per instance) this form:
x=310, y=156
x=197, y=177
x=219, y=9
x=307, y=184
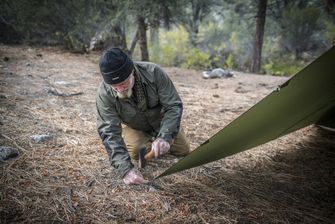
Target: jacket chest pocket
x=127, y=112
x=153, y=99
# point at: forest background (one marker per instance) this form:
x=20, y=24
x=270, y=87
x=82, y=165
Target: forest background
x=50, y=92
x=275, y=37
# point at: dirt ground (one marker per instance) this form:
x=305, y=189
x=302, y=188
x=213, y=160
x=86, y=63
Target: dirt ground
x=68, y=179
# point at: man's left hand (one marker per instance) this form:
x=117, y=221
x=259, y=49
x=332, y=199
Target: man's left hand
x=160, y=147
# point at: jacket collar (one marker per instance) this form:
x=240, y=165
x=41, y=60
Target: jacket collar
x=142, y=72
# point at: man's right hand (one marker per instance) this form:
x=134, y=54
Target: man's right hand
x=134, y=176
x=160, y=147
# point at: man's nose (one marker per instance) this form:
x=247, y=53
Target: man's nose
x=120, y=88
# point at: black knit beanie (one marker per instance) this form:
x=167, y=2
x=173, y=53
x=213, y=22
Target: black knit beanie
x=115, y=66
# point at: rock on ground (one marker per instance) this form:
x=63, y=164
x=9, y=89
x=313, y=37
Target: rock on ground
x=8, y=153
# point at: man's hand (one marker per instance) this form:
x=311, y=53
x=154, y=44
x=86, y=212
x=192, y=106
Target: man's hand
x=160, y=147
x=134, y=176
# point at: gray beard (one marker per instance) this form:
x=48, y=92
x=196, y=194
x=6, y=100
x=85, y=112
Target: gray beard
x=125, y=94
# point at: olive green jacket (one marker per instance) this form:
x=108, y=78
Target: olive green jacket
x=161, y=119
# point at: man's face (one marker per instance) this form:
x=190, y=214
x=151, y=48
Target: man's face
x=124, y=88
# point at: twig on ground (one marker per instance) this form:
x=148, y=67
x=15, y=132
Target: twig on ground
x=69, y=193
x=55, y=92
x=5, y=136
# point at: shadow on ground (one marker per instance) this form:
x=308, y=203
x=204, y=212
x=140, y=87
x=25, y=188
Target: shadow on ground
x=294, y=186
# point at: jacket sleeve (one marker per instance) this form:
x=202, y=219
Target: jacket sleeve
x=110, y=131
x=171, y=105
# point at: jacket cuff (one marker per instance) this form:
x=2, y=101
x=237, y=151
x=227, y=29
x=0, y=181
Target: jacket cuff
x=123, y=170
x=166, y=137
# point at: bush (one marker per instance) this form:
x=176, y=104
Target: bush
x=196, y=59
x=173, y=50
x=280, y=68
x=172, y=47
x=168, y=55
x=230, y=61
x=73, y=41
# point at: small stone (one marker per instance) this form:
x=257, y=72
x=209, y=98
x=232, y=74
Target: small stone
x=262, y=84
x=40, y=138
x=8, y=153
x=216, y=86
x=175, y=160
x=223, y=110
x=152, y=189
x=61, y=82
x=6, y=58
x=216, y=95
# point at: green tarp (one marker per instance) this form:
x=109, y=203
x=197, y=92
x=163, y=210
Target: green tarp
x=307, y=98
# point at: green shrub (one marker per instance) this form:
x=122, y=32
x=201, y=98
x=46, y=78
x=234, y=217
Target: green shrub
x=329, y=32
x=280, y=68
x=172, y=47
x=173, y=50
x=167, y=55
x=229, y=62
x=196, y=59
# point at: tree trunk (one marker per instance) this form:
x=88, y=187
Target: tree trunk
x=142, y=37
x=330, y=5
x=258, y=42
x=154, y=36
x=133, y=44
x=118, y=37
x=193, y=37
x=194, y=24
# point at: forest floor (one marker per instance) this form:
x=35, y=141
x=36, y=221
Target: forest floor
x=67, y=177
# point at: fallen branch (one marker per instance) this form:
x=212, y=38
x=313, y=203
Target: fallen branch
x=55, y=92
x=5, y=136
x=69, y=194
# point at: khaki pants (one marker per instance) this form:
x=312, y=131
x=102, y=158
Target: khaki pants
x=135, y=139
